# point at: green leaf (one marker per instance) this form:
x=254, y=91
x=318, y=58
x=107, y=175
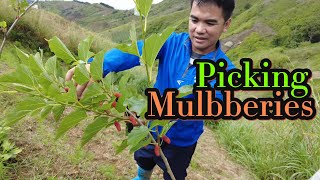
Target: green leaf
x=121, y=147
x=21, y=77
x=3, y=24
x=84, y=49
x=109, y=81
x=70, y=121
x=120, y=104
x=16, y=151
x=58, y=111
x=120, y=107
x=53, y=91
x=96, y=67
x=123, y=83
x=30, y=103
x=137, y=135
x=81, y=74
x=166, y=128
x=93, y=128
x=141, y=144
x=35, y=113
x=35, y=64
x=185, y=90
x=60, y=50
x=153, y=45
x=93, y=94
x=22, y=109
x=133, y=35
x=14, y=117
x=45, y=112
x=155, y=123
x=136, y=104
x=51, y=66
x=69, y=97
x=22, y=55
x=23, y=5
x=133, y=47
x=143, y=6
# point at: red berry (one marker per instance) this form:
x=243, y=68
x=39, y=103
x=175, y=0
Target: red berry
x=117, y=124
x=133, y=120
x=117, y=95
x=114, y=104
x=166, y=139
x=66, y=89
x=157, y=150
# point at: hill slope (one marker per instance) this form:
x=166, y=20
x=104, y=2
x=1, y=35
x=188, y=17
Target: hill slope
x=39, y=25
x=95, y=17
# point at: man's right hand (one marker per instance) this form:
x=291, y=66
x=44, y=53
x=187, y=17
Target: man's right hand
x=80, y=88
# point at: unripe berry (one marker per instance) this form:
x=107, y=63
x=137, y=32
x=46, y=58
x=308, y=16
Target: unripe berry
x=133, y=120
x=166, y=139
x=114, y=104
x=117, y=124
x=157, y=150
x=117, y=95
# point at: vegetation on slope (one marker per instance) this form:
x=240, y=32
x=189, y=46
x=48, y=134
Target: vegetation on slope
x=39, y=25
x=270, y=149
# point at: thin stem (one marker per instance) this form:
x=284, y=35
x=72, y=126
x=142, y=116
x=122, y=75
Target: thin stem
x=143, y=28
x=14, y=24
x=165, y=160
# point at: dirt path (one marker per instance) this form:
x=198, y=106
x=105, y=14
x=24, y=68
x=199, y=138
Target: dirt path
x=214, y=162
x=316, y=75
x=43, y=158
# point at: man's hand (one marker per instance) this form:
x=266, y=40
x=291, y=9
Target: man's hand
x=80, y=88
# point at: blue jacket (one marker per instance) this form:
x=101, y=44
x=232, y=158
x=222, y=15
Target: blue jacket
x=173, y=72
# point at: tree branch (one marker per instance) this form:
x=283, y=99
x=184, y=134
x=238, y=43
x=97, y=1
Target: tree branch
x=14, y=24
x=165, y=160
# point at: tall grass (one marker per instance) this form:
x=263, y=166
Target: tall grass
x=282, y=149
x=275, y=149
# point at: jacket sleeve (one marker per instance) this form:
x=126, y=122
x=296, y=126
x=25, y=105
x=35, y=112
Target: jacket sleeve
x=115, y=60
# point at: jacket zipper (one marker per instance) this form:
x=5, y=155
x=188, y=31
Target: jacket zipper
x=186, y=71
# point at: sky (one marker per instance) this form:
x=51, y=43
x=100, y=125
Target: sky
x=119, y=4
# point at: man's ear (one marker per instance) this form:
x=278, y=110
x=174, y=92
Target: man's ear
x=227, y=25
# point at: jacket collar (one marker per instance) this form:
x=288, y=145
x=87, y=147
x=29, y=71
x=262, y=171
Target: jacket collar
x=212, y=55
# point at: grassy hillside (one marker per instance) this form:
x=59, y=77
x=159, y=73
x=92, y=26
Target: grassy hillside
x=95, y=17
x=39, y=25
x=285, y=31
x=100, y=17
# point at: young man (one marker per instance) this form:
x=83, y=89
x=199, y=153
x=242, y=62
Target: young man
x=208, y=20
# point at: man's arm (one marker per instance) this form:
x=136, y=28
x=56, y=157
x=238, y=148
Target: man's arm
x=114, y=61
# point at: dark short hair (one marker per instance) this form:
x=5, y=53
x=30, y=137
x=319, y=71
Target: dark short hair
x=226, y=5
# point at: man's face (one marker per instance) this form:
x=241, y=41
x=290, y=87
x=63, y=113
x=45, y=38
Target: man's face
x=206, y=24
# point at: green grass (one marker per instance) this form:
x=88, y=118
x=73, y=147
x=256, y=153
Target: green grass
x=9, y=59
x=273, y=149
x=244, y=20
x=270, y=149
